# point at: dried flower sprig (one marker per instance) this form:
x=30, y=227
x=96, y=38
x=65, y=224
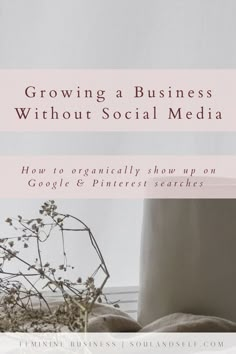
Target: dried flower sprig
x=23, y=305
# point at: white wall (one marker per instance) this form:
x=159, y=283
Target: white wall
x=117, y=34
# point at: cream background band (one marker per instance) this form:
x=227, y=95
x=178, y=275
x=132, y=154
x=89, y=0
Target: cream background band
x=117, y=100
x=108, y=176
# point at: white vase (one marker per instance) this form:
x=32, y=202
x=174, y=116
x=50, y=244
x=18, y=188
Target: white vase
x=188, y=258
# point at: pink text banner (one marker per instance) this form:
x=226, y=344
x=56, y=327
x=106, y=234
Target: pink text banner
x=117, y=100
x=127, y=177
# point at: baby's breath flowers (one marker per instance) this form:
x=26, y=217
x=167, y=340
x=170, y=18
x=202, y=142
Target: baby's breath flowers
x=24, y=307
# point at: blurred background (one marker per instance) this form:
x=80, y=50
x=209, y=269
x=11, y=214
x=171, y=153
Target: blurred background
x=103, y=34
